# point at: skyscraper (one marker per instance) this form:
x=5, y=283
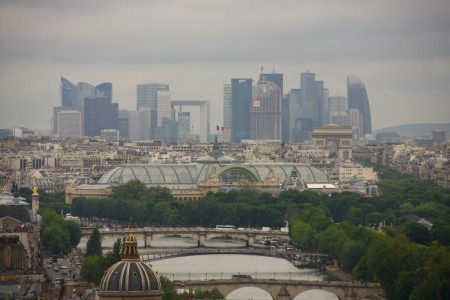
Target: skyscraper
x=276, y=78
x=68, y=93
x=184, y=126
x=164, y=107
x=338, y=110
x=147, y=97
x=226, y=113
x=147, y=94
x=100, y=114
x=73, y=97
x=356, y=120
x=241, y=95
x=265, y=112
x=69, y=124
x=357, y=98
x=312, y=98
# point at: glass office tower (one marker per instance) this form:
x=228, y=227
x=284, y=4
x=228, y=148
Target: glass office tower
x=241, y=96
x=357, y=98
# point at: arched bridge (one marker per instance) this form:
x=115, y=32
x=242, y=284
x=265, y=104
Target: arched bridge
x=289, y=289
x=200, y=234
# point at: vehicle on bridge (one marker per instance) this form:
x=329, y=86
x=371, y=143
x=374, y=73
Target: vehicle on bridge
x=225, y=227
x=241, y=276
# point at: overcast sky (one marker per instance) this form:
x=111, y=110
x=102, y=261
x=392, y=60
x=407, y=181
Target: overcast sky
x=400, y=49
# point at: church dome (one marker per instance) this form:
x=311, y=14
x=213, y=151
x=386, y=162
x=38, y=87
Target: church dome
x=126, y=276
x=130, y=276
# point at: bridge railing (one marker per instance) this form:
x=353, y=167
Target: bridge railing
x=308, y=275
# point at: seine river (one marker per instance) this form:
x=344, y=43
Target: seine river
x=223, y=266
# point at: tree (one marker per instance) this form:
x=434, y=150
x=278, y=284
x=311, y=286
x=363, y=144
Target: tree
x=441, y=230
x=94, y=244
x=388, y=257
x=115, y=255
x=170, y=292
x=303, y=234
x=74, y=230
x=435, y=274
x=55, y=238
x=93, y=268
x=417, y=233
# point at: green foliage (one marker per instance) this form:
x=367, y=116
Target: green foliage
x=94, y=244
x=390, y=256
x=55, y=201
x=417, y=233
x=170, y=292
x=74, y=230
x=58, y=235
x=304, y=234
x=214, y=294
x=93, y=268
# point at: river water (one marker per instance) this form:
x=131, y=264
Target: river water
x=223, y=266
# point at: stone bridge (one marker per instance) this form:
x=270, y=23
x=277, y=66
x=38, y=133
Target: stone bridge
x=289, y=289
x=200, y=234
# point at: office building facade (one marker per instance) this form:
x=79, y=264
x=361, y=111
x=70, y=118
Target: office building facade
x=69, y=124
x=265, y=112
x=241, y=96
x=100, y=114
x=358, y=99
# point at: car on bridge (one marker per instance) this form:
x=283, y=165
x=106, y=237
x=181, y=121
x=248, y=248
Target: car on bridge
x=241, y=276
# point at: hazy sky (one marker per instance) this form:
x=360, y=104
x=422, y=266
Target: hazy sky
x=400, y=49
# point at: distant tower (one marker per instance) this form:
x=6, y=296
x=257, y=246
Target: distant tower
x=241, y=96
x=265, y=112
x=227, y=112
x=147, y=97
x=357, y=98
x=312, y=97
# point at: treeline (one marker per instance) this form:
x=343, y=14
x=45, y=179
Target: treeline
x=57, y=234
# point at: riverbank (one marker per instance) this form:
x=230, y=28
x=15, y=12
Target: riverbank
x=337, y=273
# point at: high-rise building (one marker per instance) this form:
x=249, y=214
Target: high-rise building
x=139, y=124
x=226, y=113
x=338, y=110
x=100, y=114
x=241, y=96
x=312, y=98
x=356, y=120
x=147, y=94
x=184, y=126
x=285, y=109
x=147, y=97
x=276, y=78
x=357, y=98
x=56, y=110
x=295, y=97
x=265, y=112
x=69, y=124
x=73, y=97
x=68, y=93
x=164, y=107
x=440, y=137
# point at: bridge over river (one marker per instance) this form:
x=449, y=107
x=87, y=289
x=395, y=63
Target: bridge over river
x=289, y=289
x=200, y=234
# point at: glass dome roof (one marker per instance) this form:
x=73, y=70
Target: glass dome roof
x=192, y=174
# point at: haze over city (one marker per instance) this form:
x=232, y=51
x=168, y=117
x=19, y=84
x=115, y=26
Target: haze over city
x=401, y=50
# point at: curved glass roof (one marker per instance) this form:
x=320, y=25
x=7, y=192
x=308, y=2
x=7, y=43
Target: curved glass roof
x=192, y=174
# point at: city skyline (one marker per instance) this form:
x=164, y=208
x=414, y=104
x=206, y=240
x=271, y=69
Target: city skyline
x=399, y=52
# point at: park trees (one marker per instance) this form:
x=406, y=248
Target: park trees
x=94, y=244
x=58, y=235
